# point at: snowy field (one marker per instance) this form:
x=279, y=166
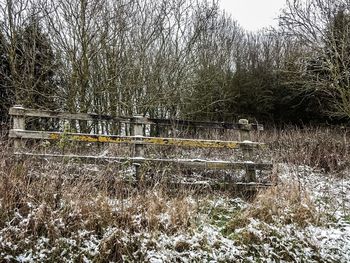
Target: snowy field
x=306, y=218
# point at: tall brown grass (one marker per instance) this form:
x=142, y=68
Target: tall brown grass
x=41, y=199
x=54, y=202
x=322, y=148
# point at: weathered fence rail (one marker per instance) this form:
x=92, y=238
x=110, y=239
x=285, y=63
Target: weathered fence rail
x=20, y=111
x=138, y=139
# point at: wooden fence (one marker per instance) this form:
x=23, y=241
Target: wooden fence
x=136, y=125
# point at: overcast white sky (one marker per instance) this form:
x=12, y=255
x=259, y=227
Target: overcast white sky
x=253, y=14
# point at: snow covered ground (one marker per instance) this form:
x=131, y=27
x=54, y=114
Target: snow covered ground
x=220, y=228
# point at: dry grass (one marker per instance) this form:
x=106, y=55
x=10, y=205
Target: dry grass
x=45, y=199
x=282, y=204
x=91, y=200
x=327, y=149
x=287, y=203
x=38, y=201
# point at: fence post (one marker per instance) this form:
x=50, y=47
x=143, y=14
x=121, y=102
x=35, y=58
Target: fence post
x=137, y=130
x=17, y=113
x=247, y=148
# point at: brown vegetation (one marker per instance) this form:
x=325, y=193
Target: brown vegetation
x=44, y=199
x=318, y=147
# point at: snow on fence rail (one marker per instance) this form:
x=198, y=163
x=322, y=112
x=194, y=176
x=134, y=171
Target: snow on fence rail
x=137, y=124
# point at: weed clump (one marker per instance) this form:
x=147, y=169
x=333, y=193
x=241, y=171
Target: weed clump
x=327, y=149
x=282, y=204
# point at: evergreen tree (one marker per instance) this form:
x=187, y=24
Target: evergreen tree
x=6, y=93
x=36, y=62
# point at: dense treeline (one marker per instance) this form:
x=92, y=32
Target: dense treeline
x=175, y=59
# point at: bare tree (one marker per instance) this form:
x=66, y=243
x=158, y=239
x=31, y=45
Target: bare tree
x=323, y=27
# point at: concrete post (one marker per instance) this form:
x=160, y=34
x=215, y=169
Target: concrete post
x=18, y=115
x=247, y=149
x=137, y=129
